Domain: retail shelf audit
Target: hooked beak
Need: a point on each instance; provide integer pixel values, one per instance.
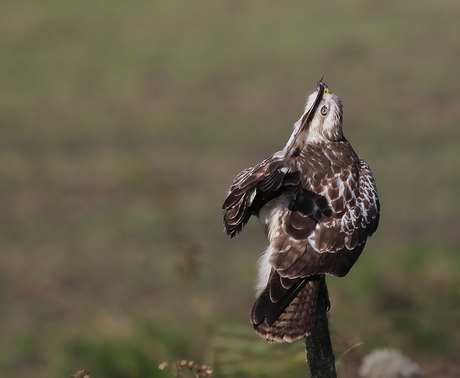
(306, 118)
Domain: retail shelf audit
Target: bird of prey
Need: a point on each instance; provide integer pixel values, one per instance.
(318, 202)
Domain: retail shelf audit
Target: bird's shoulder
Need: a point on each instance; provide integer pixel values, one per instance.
(321, 163)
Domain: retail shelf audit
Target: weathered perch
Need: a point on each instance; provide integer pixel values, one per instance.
(320, 356)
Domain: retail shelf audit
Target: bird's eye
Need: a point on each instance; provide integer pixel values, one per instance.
(324, 110)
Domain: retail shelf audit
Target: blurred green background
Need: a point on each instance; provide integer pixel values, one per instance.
(124, 123)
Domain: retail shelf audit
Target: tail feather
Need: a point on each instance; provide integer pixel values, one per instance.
(292, 316)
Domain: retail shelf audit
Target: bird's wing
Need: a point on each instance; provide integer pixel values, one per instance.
(314, 238)
(323, 230)
(253, 188)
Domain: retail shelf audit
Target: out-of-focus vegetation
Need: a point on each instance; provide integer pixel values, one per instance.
(122, 125)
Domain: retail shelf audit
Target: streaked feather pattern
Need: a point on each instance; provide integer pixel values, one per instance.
(319, 204)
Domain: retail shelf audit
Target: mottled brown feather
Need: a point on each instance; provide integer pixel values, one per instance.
(329, 209)
(290, 319)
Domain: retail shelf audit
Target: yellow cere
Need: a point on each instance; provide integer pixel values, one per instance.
(327, 91)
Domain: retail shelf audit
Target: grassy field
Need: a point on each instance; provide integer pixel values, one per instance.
(124, 123)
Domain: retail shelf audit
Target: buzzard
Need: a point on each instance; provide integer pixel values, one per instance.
(318, 202)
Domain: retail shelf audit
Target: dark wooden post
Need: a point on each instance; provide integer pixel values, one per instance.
(320, 356)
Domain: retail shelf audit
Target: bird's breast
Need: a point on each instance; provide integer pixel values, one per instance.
(270, 214)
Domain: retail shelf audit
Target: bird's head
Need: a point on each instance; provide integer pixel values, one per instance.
(322, 119)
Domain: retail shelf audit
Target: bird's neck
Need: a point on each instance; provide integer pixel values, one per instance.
(299, 138)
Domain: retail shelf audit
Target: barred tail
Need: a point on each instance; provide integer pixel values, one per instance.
(291, 316)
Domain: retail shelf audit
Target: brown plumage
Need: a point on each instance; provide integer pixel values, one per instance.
(319, 204)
